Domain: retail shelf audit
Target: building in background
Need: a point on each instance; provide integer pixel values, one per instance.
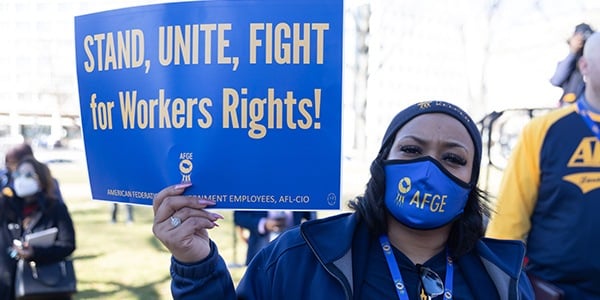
(38, 85)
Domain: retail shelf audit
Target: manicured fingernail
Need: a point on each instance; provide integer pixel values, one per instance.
(217, 216)
(205, 201)
(183, 185)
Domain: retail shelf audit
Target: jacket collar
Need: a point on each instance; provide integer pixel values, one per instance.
(330, 238)
(506, 254)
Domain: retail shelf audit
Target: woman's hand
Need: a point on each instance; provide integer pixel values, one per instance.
(181, 223)
(22, 250)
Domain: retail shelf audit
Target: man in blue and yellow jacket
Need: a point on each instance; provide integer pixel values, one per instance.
(550, 192)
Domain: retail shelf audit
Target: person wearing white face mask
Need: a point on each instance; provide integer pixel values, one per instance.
(11, 160)
(26, 185)
(31, 206)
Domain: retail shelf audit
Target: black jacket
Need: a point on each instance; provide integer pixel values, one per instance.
(50, 213)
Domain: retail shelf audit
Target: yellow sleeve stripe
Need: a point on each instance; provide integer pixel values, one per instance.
(518, 191)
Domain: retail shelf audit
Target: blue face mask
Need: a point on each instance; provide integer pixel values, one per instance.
(421, 194)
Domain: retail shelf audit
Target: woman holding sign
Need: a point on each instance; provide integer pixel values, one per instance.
(416, 233)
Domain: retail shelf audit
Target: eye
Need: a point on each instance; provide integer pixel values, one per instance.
(454, 159)
(25, 174)
(411, 149)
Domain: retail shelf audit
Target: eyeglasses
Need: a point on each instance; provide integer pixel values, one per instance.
(431, 282)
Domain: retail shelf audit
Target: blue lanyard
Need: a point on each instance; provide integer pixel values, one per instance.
(397, 277)
(584, 111)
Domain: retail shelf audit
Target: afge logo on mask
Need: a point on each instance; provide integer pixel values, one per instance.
(433, 202)
(419, 194)
(404, 186)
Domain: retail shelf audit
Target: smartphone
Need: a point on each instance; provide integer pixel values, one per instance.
(18, 244)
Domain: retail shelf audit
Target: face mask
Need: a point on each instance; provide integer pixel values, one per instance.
(421, 194)
(25, 186)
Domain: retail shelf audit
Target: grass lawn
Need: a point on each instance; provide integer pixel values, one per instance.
(126, 261)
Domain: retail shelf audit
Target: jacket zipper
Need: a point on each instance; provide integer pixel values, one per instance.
(340, 280)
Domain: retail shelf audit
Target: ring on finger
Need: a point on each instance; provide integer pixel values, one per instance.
(175, 221)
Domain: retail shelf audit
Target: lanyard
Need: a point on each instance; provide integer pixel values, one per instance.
(583, 110)
(397, 277)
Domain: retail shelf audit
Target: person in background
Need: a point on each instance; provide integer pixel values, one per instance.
(29, 206)
(115, 211)
(567, 75)
(265, 226)
(12, 158)
(415, 233)
(550, 191)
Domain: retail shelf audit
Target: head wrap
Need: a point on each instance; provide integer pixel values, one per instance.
(430, 107)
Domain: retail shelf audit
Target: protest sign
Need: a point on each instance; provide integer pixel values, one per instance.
(241, 98)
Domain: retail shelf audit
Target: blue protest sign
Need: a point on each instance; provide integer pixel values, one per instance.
(241, 98)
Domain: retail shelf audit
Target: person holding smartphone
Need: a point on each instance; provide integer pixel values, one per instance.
(567, 74)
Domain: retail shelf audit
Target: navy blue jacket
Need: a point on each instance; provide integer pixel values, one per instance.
(314, 261)
(257, 240)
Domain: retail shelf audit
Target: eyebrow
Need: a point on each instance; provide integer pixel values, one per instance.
(447, 144)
